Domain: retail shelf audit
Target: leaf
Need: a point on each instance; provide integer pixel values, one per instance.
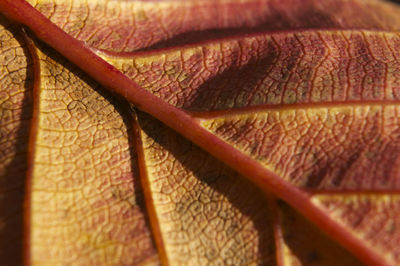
(298, 97)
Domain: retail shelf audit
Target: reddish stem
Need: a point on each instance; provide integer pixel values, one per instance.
(182, 122)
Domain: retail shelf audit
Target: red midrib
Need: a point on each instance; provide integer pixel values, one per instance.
(182, 122)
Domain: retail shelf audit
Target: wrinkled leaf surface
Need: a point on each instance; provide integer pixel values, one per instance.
(308, 90)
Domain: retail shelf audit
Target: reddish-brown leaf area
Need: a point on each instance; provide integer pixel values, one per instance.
(125, 26)
(298, 97)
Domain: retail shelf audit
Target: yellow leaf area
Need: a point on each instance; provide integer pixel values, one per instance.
(15, 113)
(86, 205)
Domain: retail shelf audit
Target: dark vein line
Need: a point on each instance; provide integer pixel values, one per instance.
(27, 234)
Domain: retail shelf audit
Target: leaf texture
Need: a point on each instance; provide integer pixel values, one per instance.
(84, 164)
(306, 91)
(16, 74)
(201, 206)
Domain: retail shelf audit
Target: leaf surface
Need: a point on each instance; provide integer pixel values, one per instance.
(308, 113)
(16, 73)
(84, 164)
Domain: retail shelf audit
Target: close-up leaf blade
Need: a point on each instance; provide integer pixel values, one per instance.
(199, 132)
(16, 111)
